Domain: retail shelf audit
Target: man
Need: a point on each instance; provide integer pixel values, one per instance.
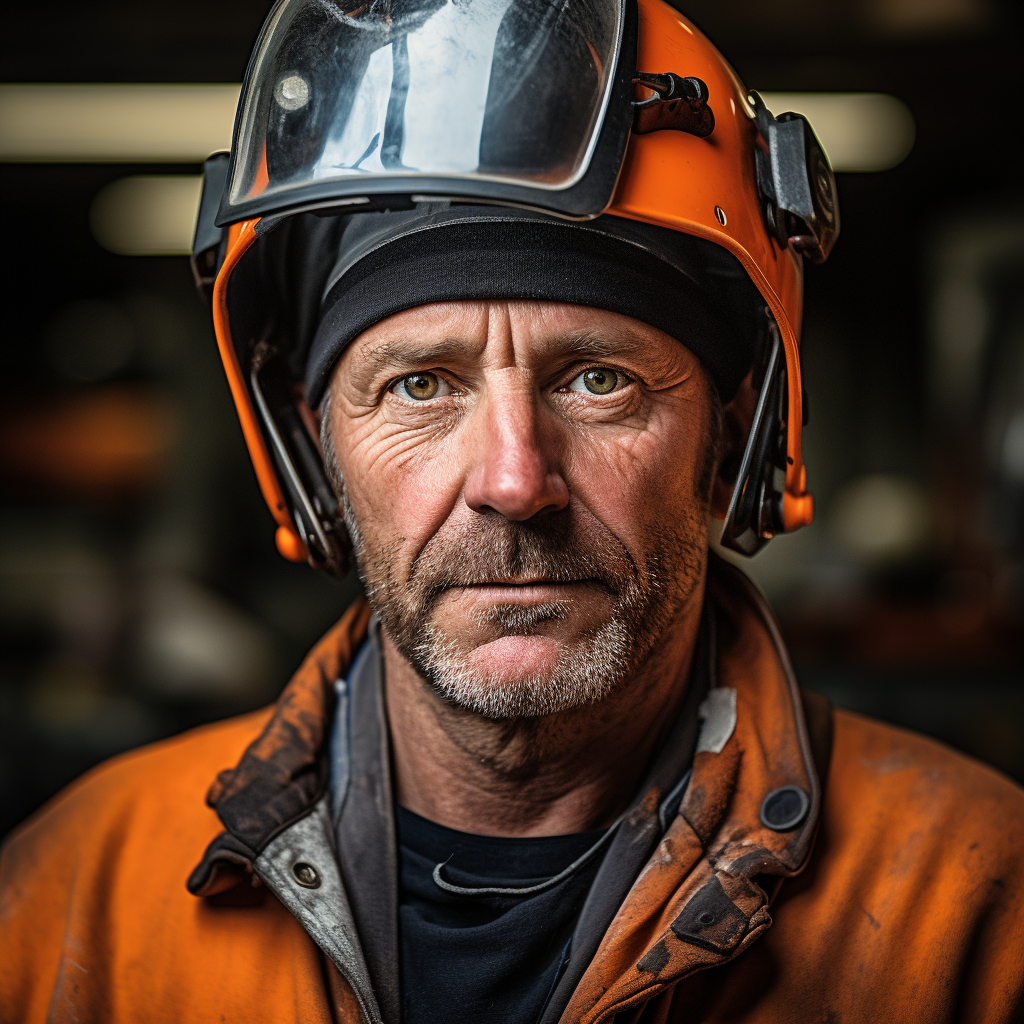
(557, 768)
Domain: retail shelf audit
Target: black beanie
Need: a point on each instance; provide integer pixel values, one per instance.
(386, 262)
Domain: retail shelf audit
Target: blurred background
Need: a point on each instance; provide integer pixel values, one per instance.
(140, 591)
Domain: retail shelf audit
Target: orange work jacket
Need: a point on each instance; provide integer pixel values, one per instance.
(898, 898)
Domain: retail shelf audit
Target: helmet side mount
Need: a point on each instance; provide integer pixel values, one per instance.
(801, 211)
(756, 507)
(675, 104)
(311, 498)
(209, 242)
(796, 183)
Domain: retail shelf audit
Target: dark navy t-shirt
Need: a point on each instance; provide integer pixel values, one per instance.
(494, 958)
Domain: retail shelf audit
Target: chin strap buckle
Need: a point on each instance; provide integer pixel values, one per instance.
(675, 104)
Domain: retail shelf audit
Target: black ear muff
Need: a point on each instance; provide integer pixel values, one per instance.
(755, 509)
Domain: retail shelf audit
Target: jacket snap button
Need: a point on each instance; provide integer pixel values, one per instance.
(783, 809)
(706, 918)
(306, 875)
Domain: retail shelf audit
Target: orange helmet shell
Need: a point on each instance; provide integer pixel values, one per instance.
(708, 188)
(705, 187)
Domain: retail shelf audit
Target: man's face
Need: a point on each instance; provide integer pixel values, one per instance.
(527, 487)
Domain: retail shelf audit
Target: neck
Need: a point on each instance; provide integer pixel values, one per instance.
(553, 775)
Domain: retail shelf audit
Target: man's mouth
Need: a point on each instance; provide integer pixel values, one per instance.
(525, 590)
(521, 584)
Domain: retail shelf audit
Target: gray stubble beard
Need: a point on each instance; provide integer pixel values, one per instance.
(594, 666)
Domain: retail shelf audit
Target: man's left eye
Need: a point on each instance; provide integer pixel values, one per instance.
(600, 380)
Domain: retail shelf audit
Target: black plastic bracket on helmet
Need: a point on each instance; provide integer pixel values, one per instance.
(311, 498)
(209, 242)
(675, 104)
(796, 184)
(755, 509)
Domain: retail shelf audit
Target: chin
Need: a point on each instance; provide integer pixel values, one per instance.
(532, 676)
(517, 658)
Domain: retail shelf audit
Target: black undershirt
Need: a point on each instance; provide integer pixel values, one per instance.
(484, 957)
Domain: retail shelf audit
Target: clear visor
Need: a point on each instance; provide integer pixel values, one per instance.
(343, 96)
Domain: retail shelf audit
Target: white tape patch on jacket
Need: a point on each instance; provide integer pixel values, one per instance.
(718, 711)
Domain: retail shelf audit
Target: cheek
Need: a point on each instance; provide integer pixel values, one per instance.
(643, 480)
(402, 481)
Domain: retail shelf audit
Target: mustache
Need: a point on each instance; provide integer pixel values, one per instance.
(520, 620)
(565, 548)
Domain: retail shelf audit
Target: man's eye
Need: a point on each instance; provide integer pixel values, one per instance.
(599, 381)
(421, 387)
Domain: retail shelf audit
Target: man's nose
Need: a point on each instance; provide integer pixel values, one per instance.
(516, 468)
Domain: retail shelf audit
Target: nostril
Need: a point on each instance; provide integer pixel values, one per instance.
(517, 493)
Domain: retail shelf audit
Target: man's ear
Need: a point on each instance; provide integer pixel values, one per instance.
(736, 419)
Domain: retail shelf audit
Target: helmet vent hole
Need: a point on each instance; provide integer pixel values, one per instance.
(720, 216)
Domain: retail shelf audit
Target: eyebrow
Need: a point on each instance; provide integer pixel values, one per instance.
(594, 343)
(390, 351)
(393, 352)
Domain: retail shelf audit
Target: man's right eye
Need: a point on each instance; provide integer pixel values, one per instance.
(421, 387)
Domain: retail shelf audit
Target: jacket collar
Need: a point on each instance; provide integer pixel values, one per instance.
(700, 899)
(284, 771)
(695, 904)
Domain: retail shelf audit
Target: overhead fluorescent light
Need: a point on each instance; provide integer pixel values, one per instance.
(115, 123)
(860, 131)
(185, 123)
(147, 214)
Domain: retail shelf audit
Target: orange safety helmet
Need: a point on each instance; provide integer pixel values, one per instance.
(600, 107)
